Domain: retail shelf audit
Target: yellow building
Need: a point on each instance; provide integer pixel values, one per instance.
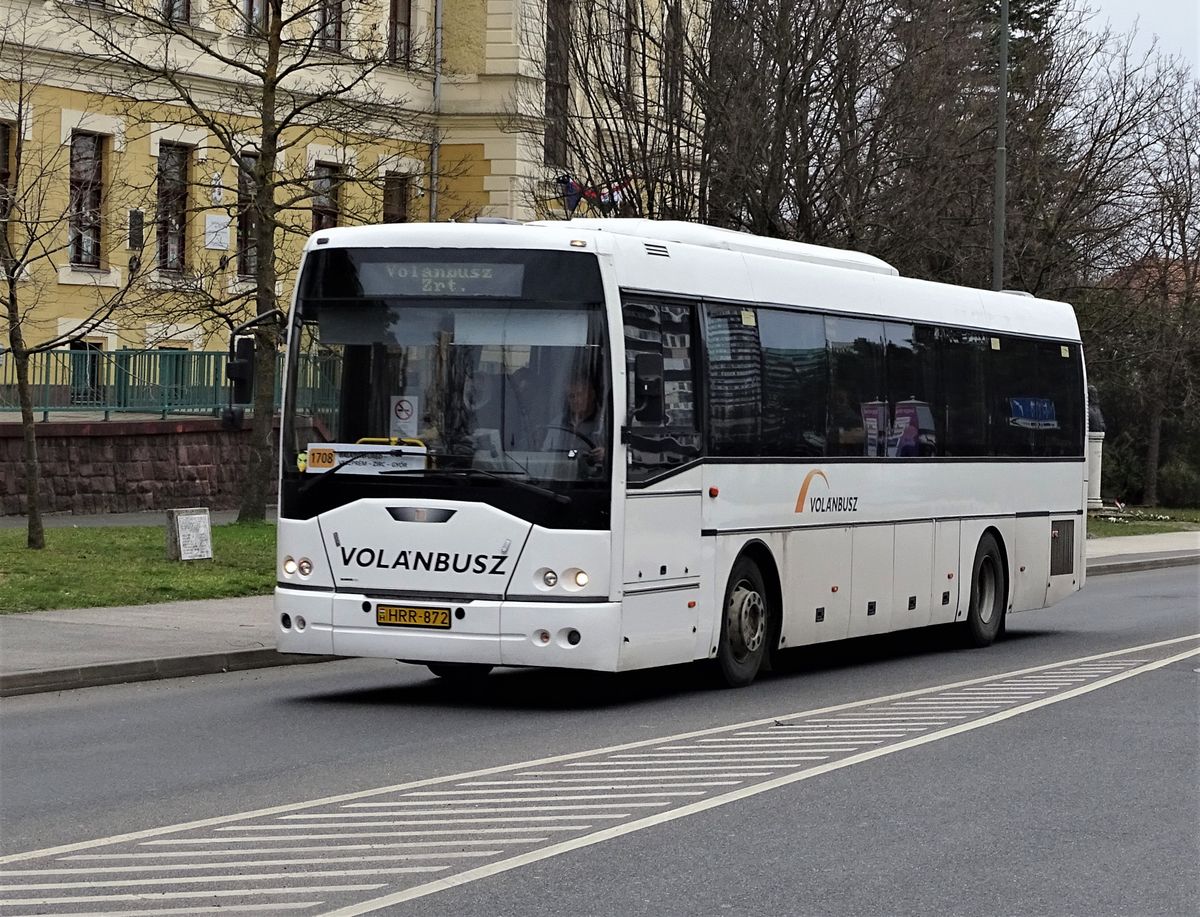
(131, 130)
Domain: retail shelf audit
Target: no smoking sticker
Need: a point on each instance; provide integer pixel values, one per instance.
(406, 413)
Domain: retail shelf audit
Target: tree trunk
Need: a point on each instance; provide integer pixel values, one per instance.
(35, 536)
(1153, 440)
(260, 477)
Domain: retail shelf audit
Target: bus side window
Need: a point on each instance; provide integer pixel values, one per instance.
(961, 408)
(663, 331)
(858, 408)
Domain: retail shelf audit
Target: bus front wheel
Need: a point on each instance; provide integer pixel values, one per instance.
(989, 593)
(745, 624)
(459, 671)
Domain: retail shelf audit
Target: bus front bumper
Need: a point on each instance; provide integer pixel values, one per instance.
(570, 635)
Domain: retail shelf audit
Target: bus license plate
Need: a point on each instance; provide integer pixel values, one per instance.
(403, 616)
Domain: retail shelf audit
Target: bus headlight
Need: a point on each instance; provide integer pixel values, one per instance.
(581, 578)
(289, 566)
(304, 565)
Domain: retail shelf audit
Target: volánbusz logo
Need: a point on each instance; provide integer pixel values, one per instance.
(433, 561)
(823, 503)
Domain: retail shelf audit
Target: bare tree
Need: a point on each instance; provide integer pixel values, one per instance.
(1145, 324)
(280, 80)
(56, 211)
(618, 115)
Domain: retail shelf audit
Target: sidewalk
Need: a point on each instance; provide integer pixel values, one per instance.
(76, 648)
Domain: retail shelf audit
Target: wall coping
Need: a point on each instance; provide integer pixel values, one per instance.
(103, 428)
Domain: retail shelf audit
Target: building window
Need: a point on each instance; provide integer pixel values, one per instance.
(396, 186)
(400, 32)
(558, 71)
(87, 154)
(6, 157)
(247, 216)
(255, 14)
(177, 10)
(329, 25)
(172, 205)
(325, 196)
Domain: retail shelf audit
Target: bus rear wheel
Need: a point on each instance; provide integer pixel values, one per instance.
(745, 624)
(989, 593)
(459, 671)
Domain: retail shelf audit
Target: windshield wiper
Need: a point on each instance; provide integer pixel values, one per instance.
(317, 478)
(467, 472)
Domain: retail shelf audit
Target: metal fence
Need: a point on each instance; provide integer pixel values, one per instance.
(162, 382)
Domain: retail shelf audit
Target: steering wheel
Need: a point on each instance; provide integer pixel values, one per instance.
(554, 426)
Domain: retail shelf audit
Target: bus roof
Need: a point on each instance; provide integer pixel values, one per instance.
(671, 257)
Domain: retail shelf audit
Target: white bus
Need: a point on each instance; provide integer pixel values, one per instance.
(615, 444)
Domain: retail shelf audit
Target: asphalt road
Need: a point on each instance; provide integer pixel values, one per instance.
(1015, 801)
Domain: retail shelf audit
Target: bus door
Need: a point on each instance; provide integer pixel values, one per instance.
(661, 605)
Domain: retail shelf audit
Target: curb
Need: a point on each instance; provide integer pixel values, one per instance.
(91, 676)
(1133, 566)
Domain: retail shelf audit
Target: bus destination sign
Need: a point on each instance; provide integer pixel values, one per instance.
(455, 278)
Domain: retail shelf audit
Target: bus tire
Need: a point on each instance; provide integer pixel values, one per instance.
(989, 593)
(745, 623)
(460, 671)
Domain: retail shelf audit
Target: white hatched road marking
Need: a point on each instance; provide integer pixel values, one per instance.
(163, 896)
(215, 909)
(675, 776)
(240, 864)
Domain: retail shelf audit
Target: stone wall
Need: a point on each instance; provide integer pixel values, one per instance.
(126, 466)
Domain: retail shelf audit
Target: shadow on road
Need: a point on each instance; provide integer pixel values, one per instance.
(561, 689)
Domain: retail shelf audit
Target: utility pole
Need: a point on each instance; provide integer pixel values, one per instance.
(998, 206)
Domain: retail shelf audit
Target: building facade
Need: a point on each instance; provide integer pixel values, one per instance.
(132, 134)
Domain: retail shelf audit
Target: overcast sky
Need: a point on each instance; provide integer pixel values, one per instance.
(1175, 22)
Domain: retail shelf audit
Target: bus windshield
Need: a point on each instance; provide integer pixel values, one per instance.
(432, 361)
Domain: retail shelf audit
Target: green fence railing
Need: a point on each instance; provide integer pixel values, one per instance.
(163, 382)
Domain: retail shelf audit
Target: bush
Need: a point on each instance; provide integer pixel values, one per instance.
(1178, 484)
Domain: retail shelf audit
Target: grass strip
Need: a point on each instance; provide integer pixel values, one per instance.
(96, 567)
(1138, 520)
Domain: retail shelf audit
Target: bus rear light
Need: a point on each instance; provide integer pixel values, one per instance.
(289, 566)
(542, 636)
(581, 578)
(550, 578)
(300, 623)
(305, 566)
(285, 621)
(573, 637)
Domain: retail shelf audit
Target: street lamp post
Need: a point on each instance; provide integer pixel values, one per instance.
(1001, 133)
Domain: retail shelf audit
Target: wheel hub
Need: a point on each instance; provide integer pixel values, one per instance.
(745, 619)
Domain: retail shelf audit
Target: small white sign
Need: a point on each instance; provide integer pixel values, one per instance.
(405, 416)
(216, 231)
(195, 536)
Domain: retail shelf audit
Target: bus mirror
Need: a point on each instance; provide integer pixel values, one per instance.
(648, 389)
(240, 370)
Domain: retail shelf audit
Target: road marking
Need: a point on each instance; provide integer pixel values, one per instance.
(756, 754)
(223, 893)
(241, 864)
(215, 909)
(242, 851)
(533, 856)
(571, 756)
(235, 877)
